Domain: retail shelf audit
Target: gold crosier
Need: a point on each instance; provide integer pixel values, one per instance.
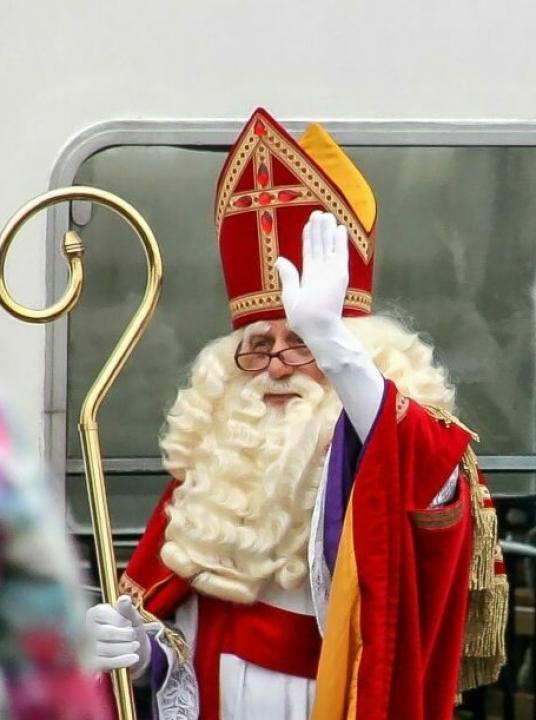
(89, 436)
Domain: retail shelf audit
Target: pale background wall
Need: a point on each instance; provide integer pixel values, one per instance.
(67, 65)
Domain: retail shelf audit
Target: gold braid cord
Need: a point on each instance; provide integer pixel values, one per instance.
(174, 638)
(484, 650)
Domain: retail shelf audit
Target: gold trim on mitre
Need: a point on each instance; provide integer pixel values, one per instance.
(259, 302)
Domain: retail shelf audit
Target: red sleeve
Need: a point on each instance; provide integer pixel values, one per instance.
(430, 449)
(146, 578)
(412, 564)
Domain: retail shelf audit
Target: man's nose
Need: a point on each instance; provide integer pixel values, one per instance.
(278, 370)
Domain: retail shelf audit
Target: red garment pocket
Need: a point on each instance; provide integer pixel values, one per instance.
(441, 518)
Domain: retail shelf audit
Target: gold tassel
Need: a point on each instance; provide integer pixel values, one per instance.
(484, 543)
(484, 641)
(488, 611)
(484, 649)
(479, 671)
(485, 528)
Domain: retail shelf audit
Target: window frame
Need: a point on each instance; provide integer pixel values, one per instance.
(221, 133)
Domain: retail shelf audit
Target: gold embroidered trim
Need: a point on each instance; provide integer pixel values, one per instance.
(237, 163)
(449, 419)
(437, 519)
(127, 586)
(326, 194)
(358, 299)
(271, 273)
(258, 302)
(266, 224)
(294, 160)
(175, 638)
(305, 198)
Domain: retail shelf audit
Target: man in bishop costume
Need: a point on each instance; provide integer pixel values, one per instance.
(326, 548)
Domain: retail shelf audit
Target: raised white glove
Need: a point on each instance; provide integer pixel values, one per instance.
(313, 307)
(119, 636)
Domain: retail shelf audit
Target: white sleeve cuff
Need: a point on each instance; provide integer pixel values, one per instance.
(350, 369)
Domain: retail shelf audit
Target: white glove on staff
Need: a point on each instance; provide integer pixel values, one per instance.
(313, 306)
(120, 638)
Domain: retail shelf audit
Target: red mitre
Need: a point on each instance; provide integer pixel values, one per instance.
(268, 187)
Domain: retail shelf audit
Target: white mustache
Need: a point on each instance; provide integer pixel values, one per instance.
(283, 389)
(297, 384)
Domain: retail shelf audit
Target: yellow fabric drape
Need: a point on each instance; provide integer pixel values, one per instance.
(336, 687)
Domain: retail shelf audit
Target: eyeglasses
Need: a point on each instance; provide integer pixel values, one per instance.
(255, 361)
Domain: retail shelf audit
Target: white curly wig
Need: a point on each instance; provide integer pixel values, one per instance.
(241, 516)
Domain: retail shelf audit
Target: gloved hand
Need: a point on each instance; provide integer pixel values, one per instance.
(314, 306)
(120, 638)
(314, 311)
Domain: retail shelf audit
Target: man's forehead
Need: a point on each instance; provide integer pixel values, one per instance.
(267, 327)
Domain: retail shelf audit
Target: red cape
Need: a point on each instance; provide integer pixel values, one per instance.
(412, 565)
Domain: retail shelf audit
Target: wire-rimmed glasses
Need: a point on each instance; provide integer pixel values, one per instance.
(256, 361)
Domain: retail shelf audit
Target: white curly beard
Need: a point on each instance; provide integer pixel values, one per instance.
(241, 518)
